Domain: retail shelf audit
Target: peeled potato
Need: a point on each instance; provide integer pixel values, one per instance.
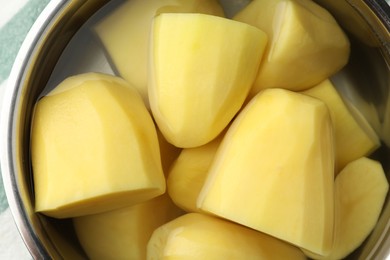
(198, 236)
(353, 138)
(188, 173)
(273, 171)
(306, 45)
(201, 69)
(360, 192)
(94, 148)
(124, 233)
(125, 34)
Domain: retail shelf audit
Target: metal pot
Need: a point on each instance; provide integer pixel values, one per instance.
(56, 48)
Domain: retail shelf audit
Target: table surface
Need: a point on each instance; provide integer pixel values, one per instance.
(16, 18)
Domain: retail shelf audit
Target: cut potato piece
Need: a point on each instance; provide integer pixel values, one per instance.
(202, 68)
(300, 52)
(188, 173)
(274, 170)
(353, 138)
(198, 236)
(94, 148)
(124, 233)
(125, 34)
(360, 191)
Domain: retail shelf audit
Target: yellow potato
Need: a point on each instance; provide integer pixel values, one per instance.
(94, 148)
(188, 173)
(306, 45)
(124, 233)
(125, 34)
(201, 70)
(360, 192)
(198, 236)
(273, 171)
(353, 138)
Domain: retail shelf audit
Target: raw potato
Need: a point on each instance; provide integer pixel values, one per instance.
(188, 173)
(124, 233)
(202, 68)
(360, 192)
(353, 139)
(274, 170)
(198, 236)
(306, 45)
(94, 148)
(125, 34)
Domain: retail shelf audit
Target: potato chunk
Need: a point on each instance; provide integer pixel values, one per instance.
(198, 236)
(360, 191)
(353, 138)
(306, 45)
(124, 233)
(125, 34)
(201, 70)
(94, 148)
(273, 171)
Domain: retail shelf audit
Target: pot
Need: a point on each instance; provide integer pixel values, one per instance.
(61, 44)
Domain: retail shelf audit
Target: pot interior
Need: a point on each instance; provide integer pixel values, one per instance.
(68, 47)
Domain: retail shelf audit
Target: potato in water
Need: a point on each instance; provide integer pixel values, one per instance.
(198, 236)
(274, 170)
(306, 45)
(94, 148)
(201, 70)
(360, 192)
(353, 138)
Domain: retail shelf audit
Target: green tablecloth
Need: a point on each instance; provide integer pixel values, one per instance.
(16, 18)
